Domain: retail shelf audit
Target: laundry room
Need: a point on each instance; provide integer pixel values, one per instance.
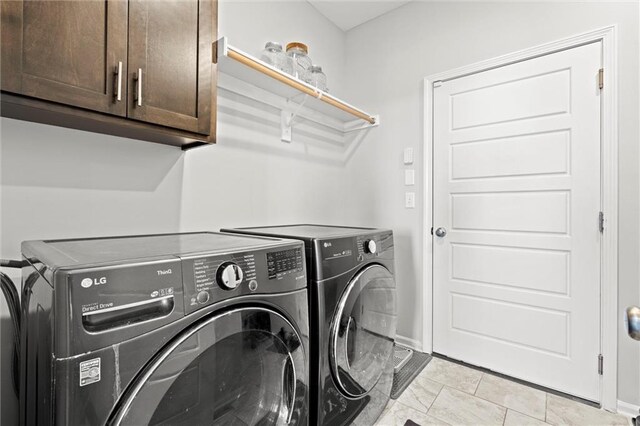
(320, 212)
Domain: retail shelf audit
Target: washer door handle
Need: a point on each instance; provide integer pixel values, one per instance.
(346, 338)
(289, 386)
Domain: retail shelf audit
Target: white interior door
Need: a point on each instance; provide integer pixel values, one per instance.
(516, 178)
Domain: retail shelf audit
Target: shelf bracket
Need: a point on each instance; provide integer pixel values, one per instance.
(286, 119)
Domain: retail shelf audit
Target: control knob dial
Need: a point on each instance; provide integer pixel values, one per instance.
(370, 246)
(229, 275)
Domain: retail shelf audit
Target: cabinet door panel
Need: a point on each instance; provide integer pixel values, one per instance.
(66, 51)
(170, 43)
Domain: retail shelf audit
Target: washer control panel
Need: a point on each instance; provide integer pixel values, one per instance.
(211, 279)
(280, 263)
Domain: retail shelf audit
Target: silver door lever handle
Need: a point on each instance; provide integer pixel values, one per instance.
(633, 322)
(441, 232)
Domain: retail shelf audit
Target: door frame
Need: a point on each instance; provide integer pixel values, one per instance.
(609, 195)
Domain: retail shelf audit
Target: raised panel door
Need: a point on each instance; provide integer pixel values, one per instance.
(517, 186)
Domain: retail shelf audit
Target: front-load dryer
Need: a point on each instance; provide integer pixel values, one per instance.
(179, 329)
(352, 296)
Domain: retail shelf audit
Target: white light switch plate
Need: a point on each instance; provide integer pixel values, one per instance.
(409, 177)
(408, 156)
(410, 200)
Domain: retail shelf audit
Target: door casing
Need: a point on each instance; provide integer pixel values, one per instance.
(609, 196)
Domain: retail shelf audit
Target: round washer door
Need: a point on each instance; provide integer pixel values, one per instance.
(363, 331)
(244, 366)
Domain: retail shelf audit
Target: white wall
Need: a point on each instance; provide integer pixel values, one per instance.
(250, 177)
(423, 38)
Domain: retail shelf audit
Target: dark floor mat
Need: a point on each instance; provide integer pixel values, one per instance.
(403, 378)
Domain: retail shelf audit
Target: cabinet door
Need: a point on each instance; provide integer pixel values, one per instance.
(66, 52)
(170, 63)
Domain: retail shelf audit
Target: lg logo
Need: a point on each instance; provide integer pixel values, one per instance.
(88, 282)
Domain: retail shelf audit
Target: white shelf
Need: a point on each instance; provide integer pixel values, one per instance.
(298, 98)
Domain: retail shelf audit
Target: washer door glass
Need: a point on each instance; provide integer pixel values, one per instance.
(363, 330)
(242, 367)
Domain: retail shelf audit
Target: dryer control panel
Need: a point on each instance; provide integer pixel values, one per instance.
(337, 255)
(211, 279)
(371, 246)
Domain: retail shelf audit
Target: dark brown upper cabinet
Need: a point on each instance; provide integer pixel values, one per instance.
(65, 51)
(170, 63)
(138, 68)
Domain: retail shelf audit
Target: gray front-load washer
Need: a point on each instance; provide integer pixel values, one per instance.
(179, 329)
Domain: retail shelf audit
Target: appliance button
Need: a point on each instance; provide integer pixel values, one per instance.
(360, 258)
(370, 246)
(229, 275)
(203, 297)
(253, 285)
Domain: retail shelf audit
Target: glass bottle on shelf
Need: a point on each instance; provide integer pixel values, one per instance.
(317, 78)
(274, 56)
(298, 52)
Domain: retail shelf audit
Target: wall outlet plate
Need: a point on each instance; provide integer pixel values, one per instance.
(410, 200)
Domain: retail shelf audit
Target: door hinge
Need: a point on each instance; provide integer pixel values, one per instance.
(600, 364)
(437, 83)
(214, 52)
(601, 78)
(601, 221)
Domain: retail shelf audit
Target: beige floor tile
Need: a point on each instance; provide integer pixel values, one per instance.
(399, 413)
(459, 408)
(563, 411)
(507, 393)
(518, 419)
(452, 375)
(420, 394)
(387, 408)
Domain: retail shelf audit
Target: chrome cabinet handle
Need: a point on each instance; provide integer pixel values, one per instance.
(117, 82)
(441, 232)
(138, 94)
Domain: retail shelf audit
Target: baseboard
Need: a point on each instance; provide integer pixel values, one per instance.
(414, 344)
(628, 409)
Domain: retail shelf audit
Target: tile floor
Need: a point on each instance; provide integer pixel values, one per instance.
(445, 393)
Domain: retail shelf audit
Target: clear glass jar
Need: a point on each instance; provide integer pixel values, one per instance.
(298, 52)
(318, 78)
(273, 55)
(270, 52)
